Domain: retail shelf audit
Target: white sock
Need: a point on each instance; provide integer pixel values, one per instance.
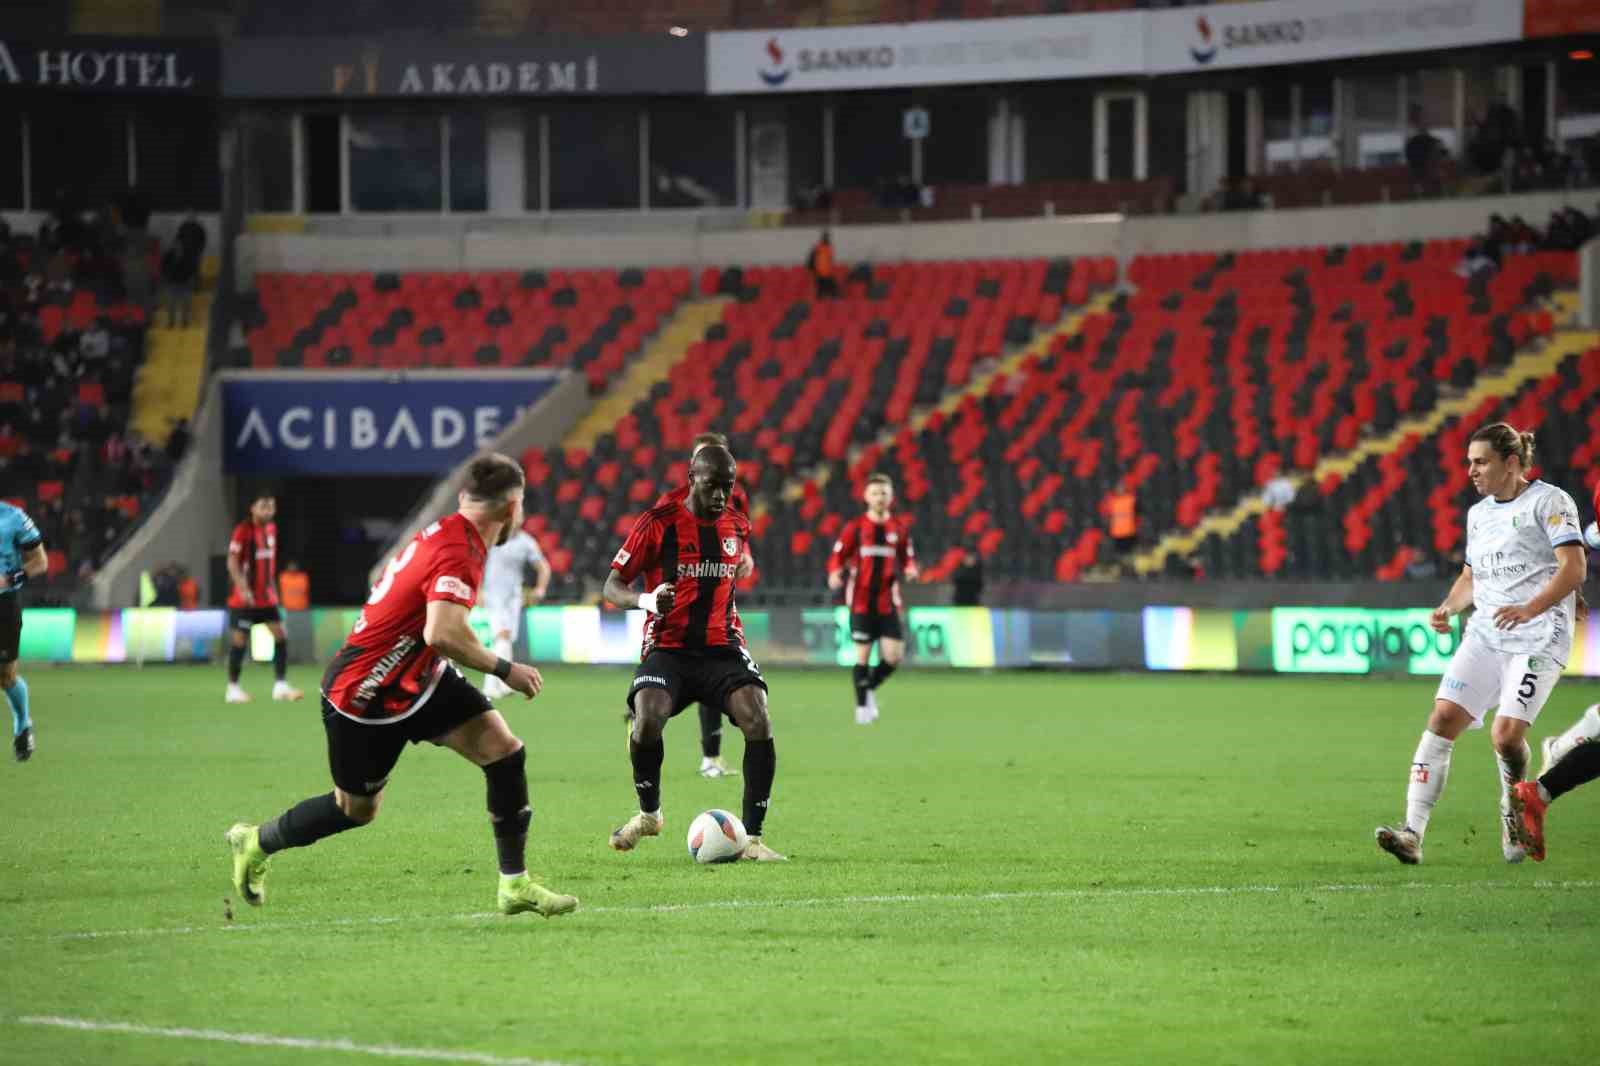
(1430, 766)
(502, 647)
(1511, 771)
(1585, 729)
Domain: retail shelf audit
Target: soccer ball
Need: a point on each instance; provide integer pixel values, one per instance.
(716, 836)
(1591, 535)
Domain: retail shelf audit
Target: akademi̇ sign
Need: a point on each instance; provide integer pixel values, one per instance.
(1294, 31)
(925, 53)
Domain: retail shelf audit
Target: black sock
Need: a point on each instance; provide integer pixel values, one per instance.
(235, 661)
(710, 731)
(305, 823)
(507, 783)
(647, 772)
(280, 658)
(862, 678)
(760, 765)
(1578, 766)
(880, 673)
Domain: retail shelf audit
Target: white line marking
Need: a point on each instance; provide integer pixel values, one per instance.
(1114, 892)
(299, 1043)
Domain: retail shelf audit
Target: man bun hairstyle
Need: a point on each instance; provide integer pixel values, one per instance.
(1506, 441)
(491, 476)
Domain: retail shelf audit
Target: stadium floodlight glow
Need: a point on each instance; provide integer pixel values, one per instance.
(1581, 53)
(679, 31)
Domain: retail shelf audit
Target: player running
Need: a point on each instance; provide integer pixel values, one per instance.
(1525, 561)
(392, 683)
(711, 764)
(694, 649)
(253, 600)
(21, 557)
(874, 550)
(504, 596)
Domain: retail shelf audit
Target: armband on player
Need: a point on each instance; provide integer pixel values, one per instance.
(17, 578)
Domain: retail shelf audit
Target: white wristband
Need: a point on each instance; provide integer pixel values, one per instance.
(647, 602)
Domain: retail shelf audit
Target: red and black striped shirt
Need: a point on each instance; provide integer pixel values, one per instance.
(699, 557)
(256, 549)
(876, 554)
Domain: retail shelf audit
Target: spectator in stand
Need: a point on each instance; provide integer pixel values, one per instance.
(824, 268)
(191, 237)
(968, 578)
(178, 272)
(294, 588)
(1424, 152)
(1122, 518)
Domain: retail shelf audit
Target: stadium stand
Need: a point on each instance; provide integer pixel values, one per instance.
(592, 321)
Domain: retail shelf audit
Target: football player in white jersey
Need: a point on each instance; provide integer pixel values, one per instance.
(504, 575)
(1524, 563)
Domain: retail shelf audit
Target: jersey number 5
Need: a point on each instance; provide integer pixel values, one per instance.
(381, 589)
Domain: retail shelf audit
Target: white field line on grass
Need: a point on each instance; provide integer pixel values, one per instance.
(298, 1043)
(266, 925)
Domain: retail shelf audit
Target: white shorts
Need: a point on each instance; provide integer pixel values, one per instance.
(1513, 684)
(505, 614)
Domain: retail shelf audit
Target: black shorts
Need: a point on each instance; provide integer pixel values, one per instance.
(868, 626)
(361, 754)
(697, 676)
(245, 617)
(10, 627)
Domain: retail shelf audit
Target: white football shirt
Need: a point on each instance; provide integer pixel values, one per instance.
(1511, 549)
(507, 564)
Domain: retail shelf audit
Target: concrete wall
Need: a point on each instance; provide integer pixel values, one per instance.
(189, 523)
(706, 239)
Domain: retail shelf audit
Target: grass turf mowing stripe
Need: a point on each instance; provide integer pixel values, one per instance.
(831, 901)
(298, 1043)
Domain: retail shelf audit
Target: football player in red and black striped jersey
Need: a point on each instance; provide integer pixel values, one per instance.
(874, 550)
(711, 764)
(688, 554)
(253, 598)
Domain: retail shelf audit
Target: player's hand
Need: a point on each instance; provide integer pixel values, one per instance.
(745, 568)
(247, 596)
(913, 574)
(665, 593)
(1441, 619)
(524, 679)
(836, 580)
(1583, 606)
(1513, 616)
(5, 581)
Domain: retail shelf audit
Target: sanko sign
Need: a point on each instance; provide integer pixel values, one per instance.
(109, 65)
(496, 67)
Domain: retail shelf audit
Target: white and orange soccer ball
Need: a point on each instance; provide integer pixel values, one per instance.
(716, 836)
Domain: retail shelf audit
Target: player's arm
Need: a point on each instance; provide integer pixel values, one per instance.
(447, 632)
(908, 559)
(34, 563)
(1572, 568)
(236, 572)
(844, 549)
(541, 579)
(637, 552)
(1458, 600)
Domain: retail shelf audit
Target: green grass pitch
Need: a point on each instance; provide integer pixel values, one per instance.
(1007, 868)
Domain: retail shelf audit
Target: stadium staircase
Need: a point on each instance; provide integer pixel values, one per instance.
(670, 347)
(168, 385)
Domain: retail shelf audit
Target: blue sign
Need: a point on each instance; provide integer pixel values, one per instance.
(378, 425)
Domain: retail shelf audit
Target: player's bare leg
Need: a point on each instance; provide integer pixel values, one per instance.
(237, 640)
(651, 709)
(281, 689)
(890, 654)
(748, 708)
(488, 743)
(1511, 754)
(1430, 768)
